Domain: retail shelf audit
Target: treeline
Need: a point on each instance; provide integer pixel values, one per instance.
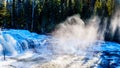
(43, 15)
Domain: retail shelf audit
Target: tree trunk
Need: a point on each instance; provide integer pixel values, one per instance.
(13, 14)
(33, 8)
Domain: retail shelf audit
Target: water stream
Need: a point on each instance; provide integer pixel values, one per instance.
(73, 44)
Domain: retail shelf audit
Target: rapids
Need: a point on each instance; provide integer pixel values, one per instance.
(36, 51)
(73, 44)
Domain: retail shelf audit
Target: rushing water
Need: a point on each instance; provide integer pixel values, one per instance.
(72, 41)
(13, 42)
(16, 42)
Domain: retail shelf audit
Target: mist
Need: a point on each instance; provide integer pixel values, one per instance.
(75, 36)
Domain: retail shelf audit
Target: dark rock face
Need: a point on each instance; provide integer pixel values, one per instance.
(117, 35)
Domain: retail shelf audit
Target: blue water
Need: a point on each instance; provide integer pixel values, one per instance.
(14, 42)
(18, 41)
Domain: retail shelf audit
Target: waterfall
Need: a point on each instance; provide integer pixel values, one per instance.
(75, 34)
(71, 38)
(14, 42)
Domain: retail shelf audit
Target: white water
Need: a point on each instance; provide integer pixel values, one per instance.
(71, 44)
(115, 24)
(15, 42)
(74, 36)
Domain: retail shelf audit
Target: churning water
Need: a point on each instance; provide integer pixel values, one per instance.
(71, 42)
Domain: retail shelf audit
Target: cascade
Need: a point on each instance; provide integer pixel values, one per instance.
(14, 42)
(72, 37)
